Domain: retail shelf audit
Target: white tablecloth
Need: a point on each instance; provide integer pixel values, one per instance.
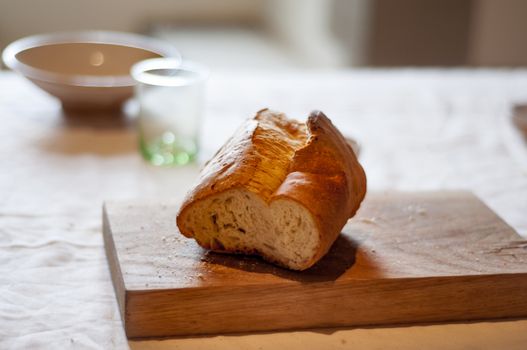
(419, 130)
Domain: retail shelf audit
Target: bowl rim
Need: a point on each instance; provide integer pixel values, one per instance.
(90, 36)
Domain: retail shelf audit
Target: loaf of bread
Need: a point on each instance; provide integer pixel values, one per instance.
(278, 188)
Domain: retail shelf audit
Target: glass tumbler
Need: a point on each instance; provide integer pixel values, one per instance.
(171, 104)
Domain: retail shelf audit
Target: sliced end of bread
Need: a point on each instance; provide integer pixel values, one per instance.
(237, 220)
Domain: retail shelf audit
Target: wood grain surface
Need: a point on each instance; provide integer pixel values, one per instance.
(405, 258)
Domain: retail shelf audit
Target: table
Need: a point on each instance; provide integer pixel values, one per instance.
(419, 130)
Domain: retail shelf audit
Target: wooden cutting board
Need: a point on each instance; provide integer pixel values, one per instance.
(405, 258)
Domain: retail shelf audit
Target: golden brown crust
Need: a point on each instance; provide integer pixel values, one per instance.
(275, 158)
(256, 157)
(325, 177)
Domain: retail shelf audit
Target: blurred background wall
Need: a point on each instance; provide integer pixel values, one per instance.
(298, 33)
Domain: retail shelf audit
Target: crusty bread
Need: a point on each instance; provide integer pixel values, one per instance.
(278, 188)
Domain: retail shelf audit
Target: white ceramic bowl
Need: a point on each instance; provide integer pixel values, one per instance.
(87, 70)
